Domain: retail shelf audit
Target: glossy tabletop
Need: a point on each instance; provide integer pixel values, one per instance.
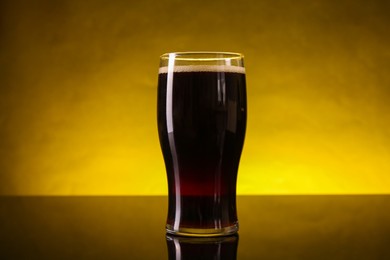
(271, 227)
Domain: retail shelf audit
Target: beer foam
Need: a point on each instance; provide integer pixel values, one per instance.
(203, 68)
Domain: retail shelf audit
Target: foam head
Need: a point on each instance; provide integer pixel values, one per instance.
(203, 68)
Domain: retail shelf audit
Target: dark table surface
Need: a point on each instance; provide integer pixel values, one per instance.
(271, 227)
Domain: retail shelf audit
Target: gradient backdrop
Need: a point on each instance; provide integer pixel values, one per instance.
(78, 93)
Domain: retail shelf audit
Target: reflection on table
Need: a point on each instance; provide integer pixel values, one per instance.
(187, 248)
(271, 227)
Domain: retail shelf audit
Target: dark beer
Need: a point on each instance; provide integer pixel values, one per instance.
(201, 123)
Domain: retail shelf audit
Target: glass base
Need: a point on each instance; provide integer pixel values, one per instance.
(203, 232)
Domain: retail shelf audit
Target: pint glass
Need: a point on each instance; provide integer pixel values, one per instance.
(201, 123)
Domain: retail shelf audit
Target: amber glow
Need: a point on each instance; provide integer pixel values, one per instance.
(78, 93)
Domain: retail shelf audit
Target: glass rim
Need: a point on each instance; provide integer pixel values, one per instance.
(202, 55)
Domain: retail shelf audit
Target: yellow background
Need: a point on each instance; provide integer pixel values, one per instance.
(78, 93)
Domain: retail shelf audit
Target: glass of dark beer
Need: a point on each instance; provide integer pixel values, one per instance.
(201, 122)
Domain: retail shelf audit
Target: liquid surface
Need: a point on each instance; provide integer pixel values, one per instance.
(203, 68)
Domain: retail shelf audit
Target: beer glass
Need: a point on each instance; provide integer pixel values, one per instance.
(201, 123)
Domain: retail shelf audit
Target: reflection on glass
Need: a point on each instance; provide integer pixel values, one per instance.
(186, 248)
